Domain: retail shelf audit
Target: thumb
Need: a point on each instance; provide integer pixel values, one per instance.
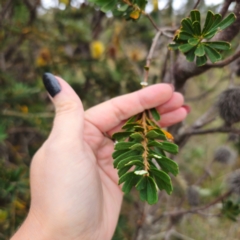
(68, 122)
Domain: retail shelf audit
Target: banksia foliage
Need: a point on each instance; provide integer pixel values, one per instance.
(228, 105)
(193, 41)
(140, 156)
(234, 181)
(225, 155)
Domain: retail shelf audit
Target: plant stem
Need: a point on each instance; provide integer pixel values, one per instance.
(144, 143)
(150, 56)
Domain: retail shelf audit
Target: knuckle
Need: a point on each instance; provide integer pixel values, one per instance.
(66, 107)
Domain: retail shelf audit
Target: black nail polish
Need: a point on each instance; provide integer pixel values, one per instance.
(51, 84)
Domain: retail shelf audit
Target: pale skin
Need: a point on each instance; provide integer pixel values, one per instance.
(74, 187)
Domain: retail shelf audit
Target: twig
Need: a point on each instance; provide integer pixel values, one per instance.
(226, 61)
(205, 174)
(152, 21)
(198, 209)
(150, 56)
(204, 94)
(5, 9)
(197, 3)
(213, 130)
(225, 7)
(24, 129)
(140, 222)
(165, 63)
(26, 115)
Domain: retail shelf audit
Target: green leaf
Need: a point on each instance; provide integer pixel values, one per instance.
(137, 136)
(184, 35)
(195, 16)
(130, 125)
(216, 21)
(221, 45)
(186, 26)
(122, 8)
(166, 146)
(169, 147)
(130, 183)
(155, 114)
(121, 135)
(213, 29)
(137, 147)
(132, 119)
(197, 28)
(185, 47)
(210, 34)
(118, 153)
(109, 6)
(226, 22)
(142, 184)
(143, 194)
(126, 177)
(152, 196)
(141, 3)
(124, 162)
(213, 54)
(200, 50)
(190, 55)
(121, 163)
(208, 22)
(128, 154)
(201, 61)
(123, 170)
(174, 46)
(193, 41)
(162, 179)
(139, 129)
(135, 163)
(154, 134)
(123, 145)
(168, 165)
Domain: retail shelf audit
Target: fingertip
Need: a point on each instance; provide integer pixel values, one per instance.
(173, 117)
(51, 84)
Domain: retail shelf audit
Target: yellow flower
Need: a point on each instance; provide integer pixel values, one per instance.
(97, 49)
(135, 14)
(24, 109)
(168, 135)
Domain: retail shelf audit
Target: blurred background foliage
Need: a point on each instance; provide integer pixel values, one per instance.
(102, 57)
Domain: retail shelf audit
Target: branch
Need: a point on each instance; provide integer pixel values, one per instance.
(217, 200)
(152, 21)
(225, 7)
(197, 3)
(150, 56)
(226, 61)
(212, 130)
(194, 210)
(26, 115)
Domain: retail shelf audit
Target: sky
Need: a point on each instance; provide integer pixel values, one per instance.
(162, 3)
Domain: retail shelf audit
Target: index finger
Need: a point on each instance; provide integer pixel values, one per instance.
(109, 114)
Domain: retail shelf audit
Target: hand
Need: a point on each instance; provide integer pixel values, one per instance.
(74, 187)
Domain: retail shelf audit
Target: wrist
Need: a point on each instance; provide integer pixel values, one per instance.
(30, 229)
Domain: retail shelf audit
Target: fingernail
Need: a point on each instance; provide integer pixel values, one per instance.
(187, 108)
(51, 84)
